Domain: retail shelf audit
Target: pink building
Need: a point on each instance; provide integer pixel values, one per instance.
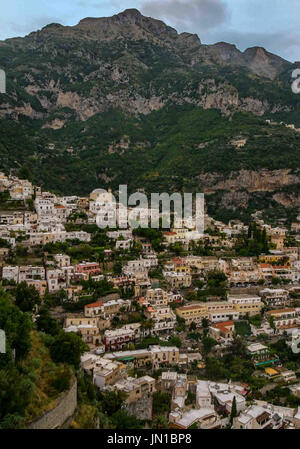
(88, 268)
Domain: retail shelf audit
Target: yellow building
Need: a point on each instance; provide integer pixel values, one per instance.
(193, 313)
(246, 304)
(272, 373)
(278, 240)
(181, 266)
(275, 259)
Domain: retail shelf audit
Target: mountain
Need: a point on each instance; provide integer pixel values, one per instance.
(126, 99)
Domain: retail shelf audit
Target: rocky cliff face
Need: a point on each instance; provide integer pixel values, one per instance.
(89, 85)
(252, 181)
(135, 63)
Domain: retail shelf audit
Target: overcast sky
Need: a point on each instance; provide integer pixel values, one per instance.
(273, 24)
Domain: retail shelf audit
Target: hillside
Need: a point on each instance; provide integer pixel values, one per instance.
(126, 99)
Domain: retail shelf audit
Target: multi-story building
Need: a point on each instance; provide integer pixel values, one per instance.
(39, 285)
(258, 417)
(10, 273)
(223, 395)
(285, 320)
(87, 327)
(88, 269)
(154, 356)
(12, 218)
(135, 388)
(123, 245)
(192, 313)
(106, 309)
(164, 318)
(260, 355)
(178, 280)
(62, 260)
(56, 280)
(221, 311)
(268, 271)
(274, 297)
(222, 331)
(125, 233)
(181, 265)
(241, 271)
(31, 273)
(203, 263)
(119, 338)
(107, 372)
(246, 304)
(137, 268)
(158, 296)
(44, 207)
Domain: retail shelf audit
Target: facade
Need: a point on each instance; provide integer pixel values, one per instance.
(107, 372)
(274, 297)
(284, 319)
(155, 356)
(178, 280)
(193, 313)
(260, 355)
(88, 268)
(119, 338)
(246, 304)
(222, 331)
(258, 417)
(163, 317)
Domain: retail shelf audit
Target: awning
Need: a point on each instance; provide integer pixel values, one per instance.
(126, 359)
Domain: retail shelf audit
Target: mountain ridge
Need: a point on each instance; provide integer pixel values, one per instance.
(110, 94)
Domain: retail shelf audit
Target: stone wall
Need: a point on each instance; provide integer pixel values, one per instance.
(64, 409)
(142, 408)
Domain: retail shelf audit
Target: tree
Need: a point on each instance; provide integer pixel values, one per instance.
(233, 413)
(14, 397)
(112, 401)
(208, 344)
(174, 340)
(272, 322)
(238, 346)
(193, 326)
(15, 389)
(159, 422)
(27, 297)
(117, 268)
(67, 347)
(205, 323)
(46, 323)
(122, 420)
(161, 402)
(192, 296)
(16, 325)
(216, 278)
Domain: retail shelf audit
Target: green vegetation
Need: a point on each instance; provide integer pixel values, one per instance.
(30, 382)
(182, 142)
(254, 243)
(161, 403)
(242, 328)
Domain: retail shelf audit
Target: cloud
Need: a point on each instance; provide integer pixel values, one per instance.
(285, 44)
(188, 15)
(233, 22)
(33, 25)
